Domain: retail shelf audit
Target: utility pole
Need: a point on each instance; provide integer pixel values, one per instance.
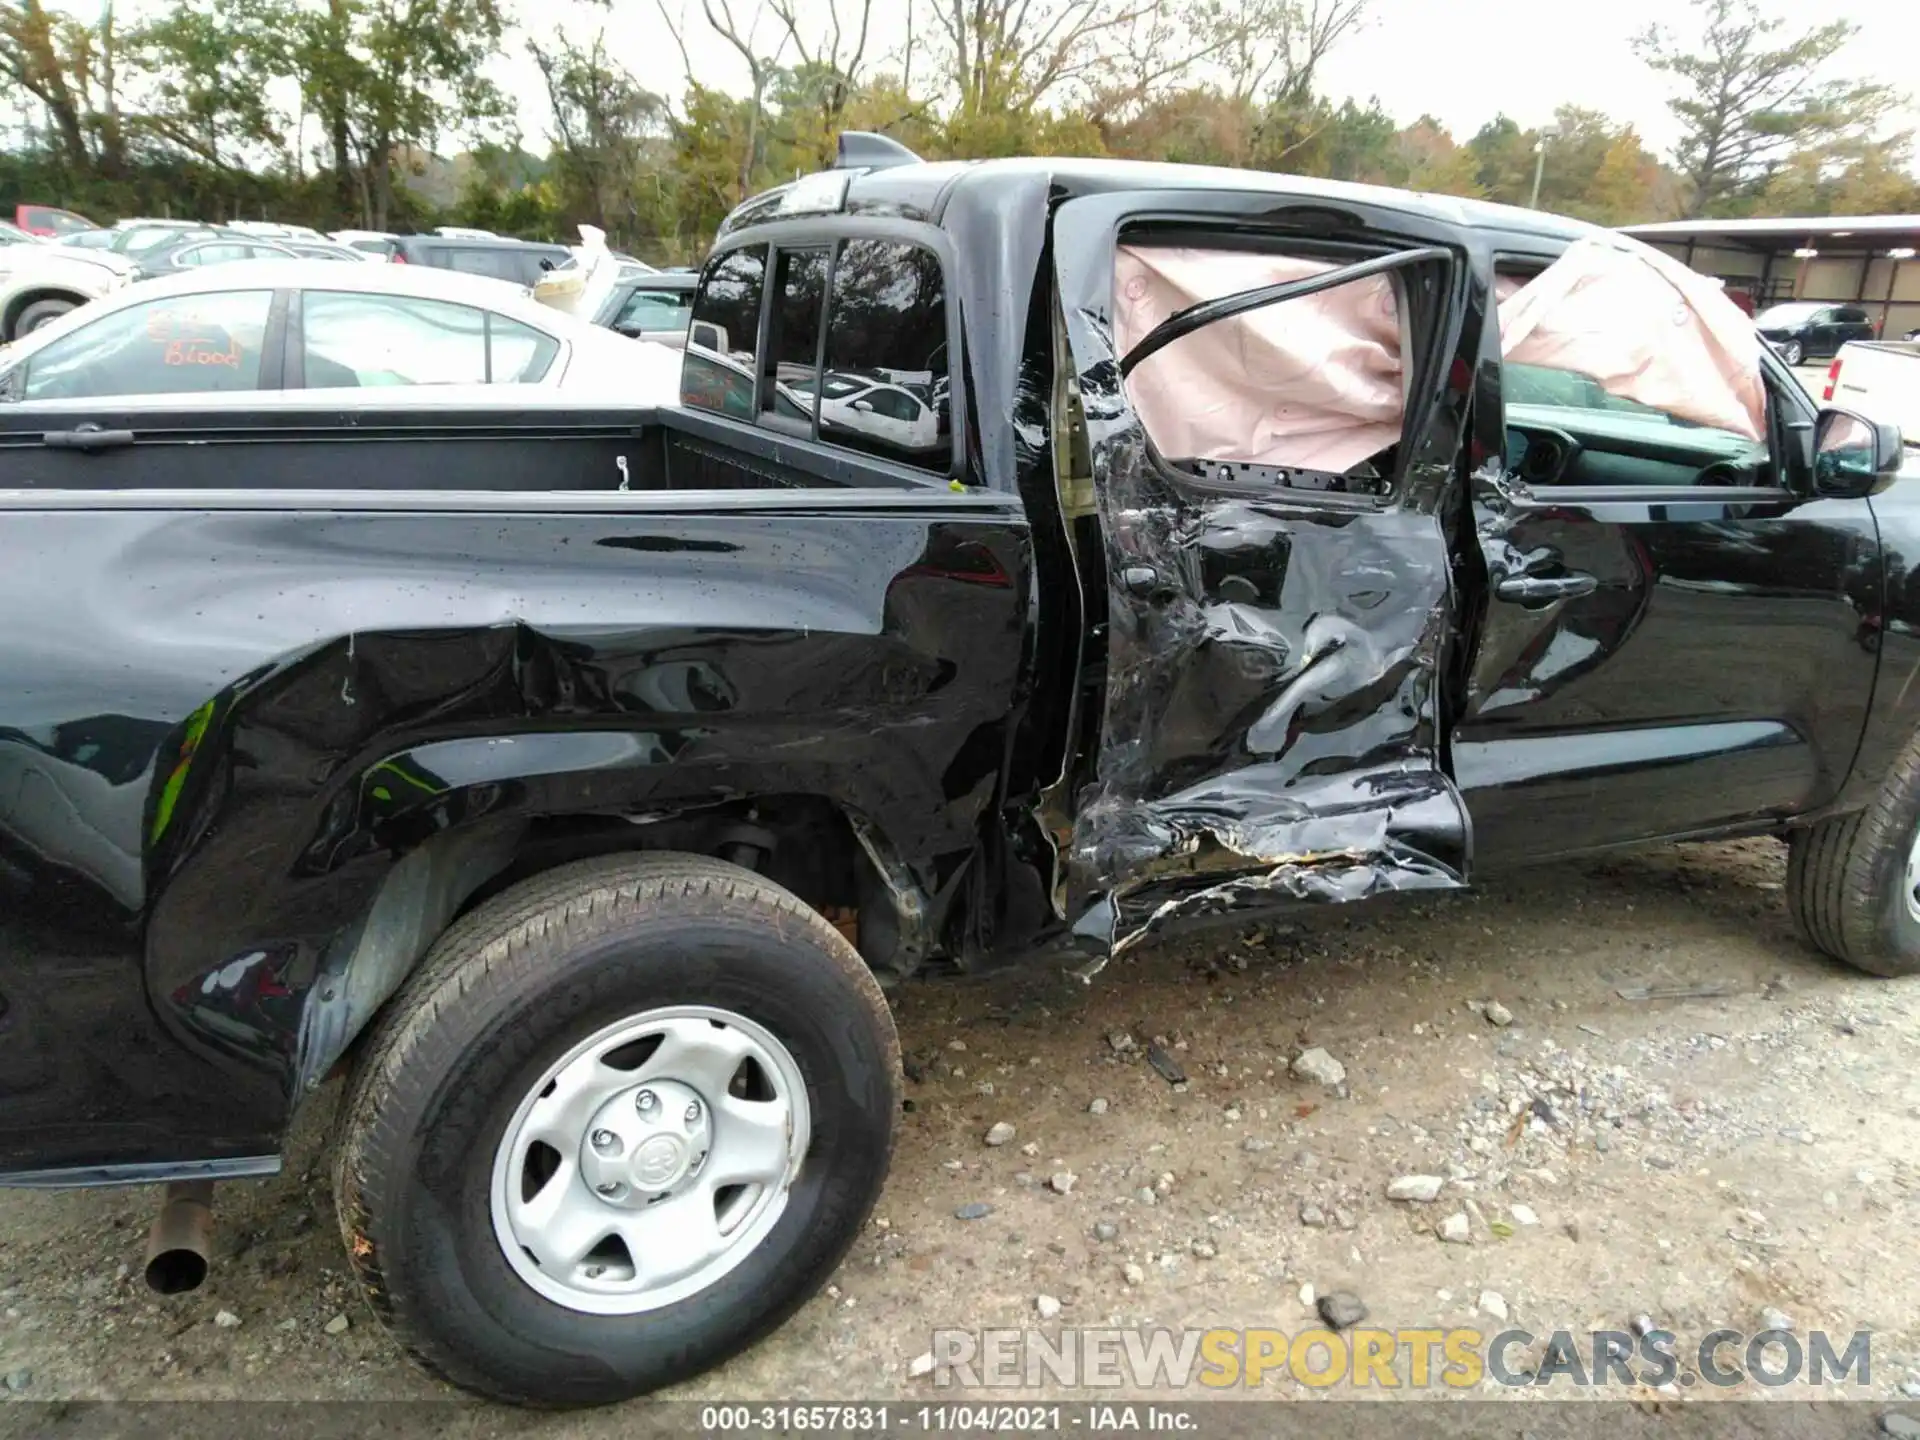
(1539, 170)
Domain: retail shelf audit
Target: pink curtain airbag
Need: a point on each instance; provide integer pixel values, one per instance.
(1314, 383)
(1317, 383)
(1646, 328)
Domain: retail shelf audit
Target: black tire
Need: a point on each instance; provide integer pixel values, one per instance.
(1847, 883)
(40, 312)
(1792, 351)
(506, 991)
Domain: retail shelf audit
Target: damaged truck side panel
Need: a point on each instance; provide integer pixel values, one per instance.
(1046, 555)
(1273, 728)
(210, 768)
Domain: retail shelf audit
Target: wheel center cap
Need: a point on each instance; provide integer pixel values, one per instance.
(646, 1142)
(659, 1162)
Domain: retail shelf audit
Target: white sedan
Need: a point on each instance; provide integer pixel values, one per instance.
(318, 326)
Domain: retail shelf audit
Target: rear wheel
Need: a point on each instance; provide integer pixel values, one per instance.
(1854, 880)
(624, 1121)
(1793, 352)
(40, 312)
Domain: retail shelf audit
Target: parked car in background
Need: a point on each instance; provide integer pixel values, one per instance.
(50, 220)
(319, 325)
(130, 237)
(40, 283)
(11, 234)
(160, 222)
(328, 250)
(1881, 380)
(875, 405)
(647, 305)
(522, 262)
(270, 230)
(194, 249)
(1806, 330)
(144, 235)
(632, 299)
(378, 243)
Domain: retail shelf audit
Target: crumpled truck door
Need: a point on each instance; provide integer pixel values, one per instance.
(1277, 635)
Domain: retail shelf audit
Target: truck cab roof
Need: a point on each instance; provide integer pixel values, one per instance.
(929, 191)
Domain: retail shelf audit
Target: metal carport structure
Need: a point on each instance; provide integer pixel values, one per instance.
(1865, 260)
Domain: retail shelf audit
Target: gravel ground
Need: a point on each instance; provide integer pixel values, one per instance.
(1745, 1146)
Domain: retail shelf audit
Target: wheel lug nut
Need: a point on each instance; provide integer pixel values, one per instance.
(594, 1272)
(646, 1101)
(608, 1187)
(693, 1113)
(604, 1140)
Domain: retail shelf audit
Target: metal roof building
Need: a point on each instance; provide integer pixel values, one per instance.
(1864, 260)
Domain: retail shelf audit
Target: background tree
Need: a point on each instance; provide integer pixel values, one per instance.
(611, 145)
(1750, 98)
(177, 107)
(213, 63)
(831, 53)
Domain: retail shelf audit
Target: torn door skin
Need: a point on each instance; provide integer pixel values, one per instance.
(1270, 727)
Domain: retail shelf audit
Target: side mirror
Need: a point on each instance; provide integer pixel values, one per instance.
(630, 330)
(865, 407)
(708, 336)
(1854, 456)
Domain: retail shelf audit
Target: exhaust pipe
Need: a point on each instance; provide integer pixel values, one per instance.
(178, 1243)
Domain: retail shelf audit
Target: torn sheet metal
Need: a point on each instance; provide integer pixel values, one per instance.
(1270, 726)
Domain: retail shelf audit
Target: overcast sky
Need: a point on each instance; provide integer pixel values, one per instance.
(1458, 60)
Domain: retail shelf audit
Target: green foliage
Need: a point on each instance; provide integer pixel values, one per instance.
(212, 63)
(1753, 102)
(186, 112)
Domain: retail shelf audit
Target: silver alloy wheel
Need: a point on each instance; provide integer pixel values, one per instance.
(1911, 880)
(649, 1160)
(1792, 352)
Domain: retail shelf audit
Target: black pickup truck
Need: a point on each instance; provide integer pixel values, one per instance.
(574, 780)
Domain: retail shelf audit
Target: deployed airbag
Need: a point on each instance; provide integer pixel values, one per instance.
(1319, 382)
(1315, 382)
(1645, 328)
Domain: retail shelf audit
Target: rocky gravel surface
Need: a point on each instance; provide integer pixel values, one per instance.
(1582, 1098)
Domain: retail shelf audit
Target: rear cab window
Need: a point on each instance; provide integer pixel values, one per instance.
(856, 347)
(723, 337)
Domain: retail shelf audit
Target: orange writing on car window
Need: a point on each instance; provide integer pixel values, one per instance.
(203, 352)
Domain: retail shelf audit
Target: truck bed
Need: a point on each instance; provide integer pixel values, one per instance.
(1880, 379)
(252, 659)
(407, 443)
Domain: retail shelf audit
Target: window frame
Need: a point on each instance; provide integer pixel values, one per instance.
(180, 258)
(810, 233)
(766, 413)
(633, 291)
(295, 340)
(1428, 343)
(1789, 410)
(273, 346)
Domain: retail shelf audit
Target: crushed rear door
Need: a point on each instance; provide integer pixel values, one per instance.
(1277, 632)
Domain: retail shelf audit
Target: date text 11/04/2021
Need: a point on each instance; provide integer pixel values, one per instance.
(947, 1419)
